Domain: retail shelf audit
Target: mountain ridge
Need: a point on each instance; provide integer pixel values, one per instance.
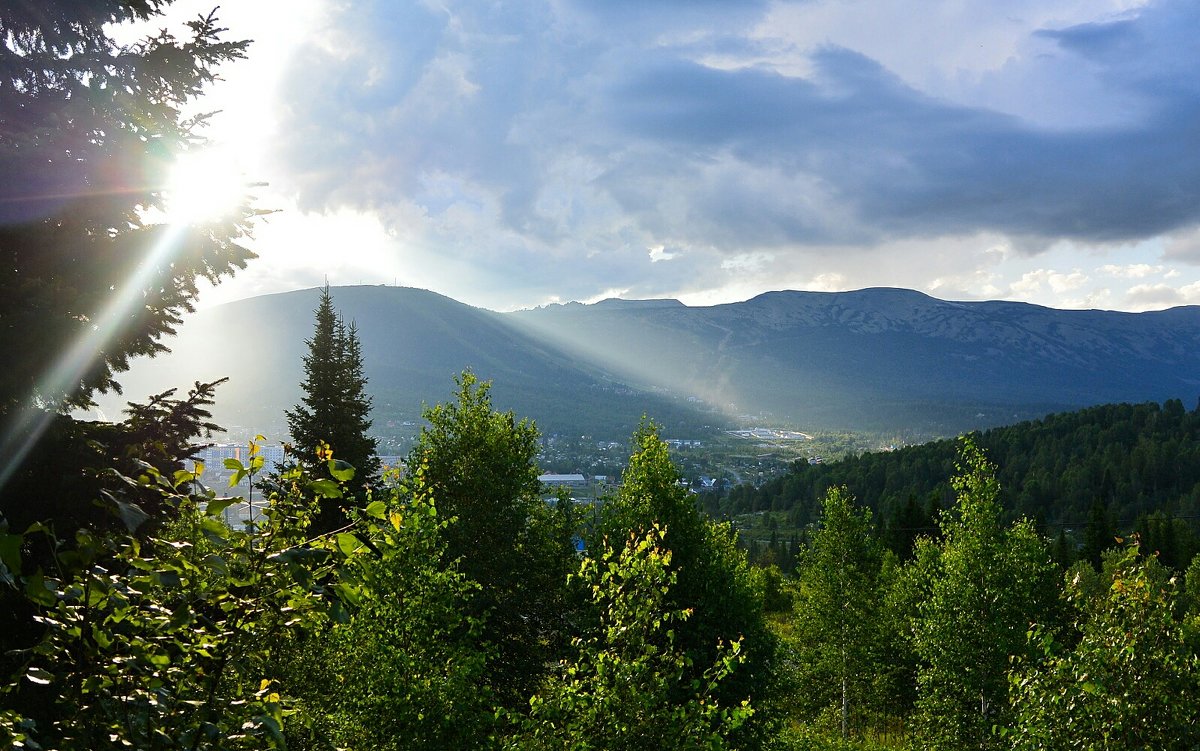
(879, 358)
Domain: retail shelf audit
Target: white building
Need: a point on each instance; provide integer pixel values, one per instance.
(549, 480)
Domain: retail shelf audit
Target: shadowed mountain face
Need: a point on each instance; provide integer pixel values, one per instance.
(874, 359)
(414, 343)
(887, 358)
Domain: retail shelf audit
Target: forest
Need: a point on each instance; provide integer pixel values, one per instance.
(940, 597)
(1081, 478)
(454, 607)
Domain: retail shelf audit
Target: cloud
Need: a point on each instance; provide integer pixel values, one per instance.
(1153, 296)
(1131, 271)
(659, 253)
(558, 141)
(1183, 246)
(1033, 282)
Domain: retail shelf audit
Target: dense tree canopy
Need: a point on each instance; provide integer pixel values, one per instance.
(478, 466)
(713, 581)
(1126, 676)
(980, 590)
(1091, 473)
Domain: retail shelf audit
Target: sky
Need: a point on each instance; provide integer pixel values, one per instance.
(513, 154)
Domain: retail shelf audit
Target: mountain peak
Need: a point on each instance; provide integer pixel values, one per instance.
(616, 302)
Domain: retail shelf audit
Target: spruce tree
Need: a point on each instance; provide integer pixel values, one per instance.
(354, 445)
(89, 128)
(335, 407)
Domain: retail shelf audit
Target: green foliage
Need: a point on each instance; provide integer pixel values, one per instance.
(405, 671)
(477, 465)
(976, 596)
(628, 685)
(90, 129)
(810, 738)
(166, 643)
(839, 629)
(714, 581)
(1093, 472)
(1131, 678)
(62, 477)
(334, 410)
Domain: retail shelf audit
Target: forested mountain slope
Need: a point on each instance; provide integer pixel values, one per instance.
(876, 359)
(1108, 468)
(414, 343)
(881, 358)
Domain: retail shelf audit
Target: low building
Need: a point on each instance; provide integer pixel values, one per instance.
(551, 481)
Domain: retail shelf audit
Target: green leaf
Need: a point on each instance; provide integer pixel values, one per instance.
(131, 514)
(326, 488)
(348, 544)
(36, 589)
(273, 728)
(348, 594)
(169, 579)
(216, 564)
(234, 464)
(10, 551)
(39, 676)
(342, 471)
(218, 505)
(376, 509)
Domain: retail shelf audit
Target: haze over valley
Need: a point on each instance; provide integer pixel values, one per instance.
(884, 360)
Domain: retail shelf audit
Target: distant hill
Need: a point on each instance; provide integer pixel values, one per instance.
(887, 358)
(879, 359)
(414, 343)
(1121, 467)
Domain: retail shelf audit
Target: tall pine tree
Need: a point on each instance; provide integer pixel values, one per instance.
(335, 407)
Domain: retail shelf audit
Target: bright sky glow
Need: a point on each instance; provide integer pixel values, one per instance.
(203, 185)
(512, 154)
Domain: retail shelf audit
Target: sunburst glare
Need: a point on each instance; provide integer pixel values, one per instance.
(203, 185)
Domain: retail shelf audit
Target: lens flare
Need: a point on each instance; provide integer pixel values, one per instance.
(28, 424)
(202, 186)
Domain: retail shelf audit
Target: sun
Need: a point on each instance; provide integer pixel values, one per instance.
(202, 186)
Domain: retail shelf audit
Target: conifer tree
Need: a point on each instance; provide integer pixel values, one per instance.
(335, 407)
(89, 128)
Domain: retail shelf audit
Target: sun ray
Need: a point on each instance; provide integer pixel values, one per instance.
(29, 423)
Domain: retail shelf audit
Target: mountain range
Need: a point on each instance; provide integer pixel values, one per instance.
(874, 359)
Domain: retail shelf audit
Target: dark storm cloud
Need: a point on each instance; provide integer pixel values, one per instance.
(915, 165)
